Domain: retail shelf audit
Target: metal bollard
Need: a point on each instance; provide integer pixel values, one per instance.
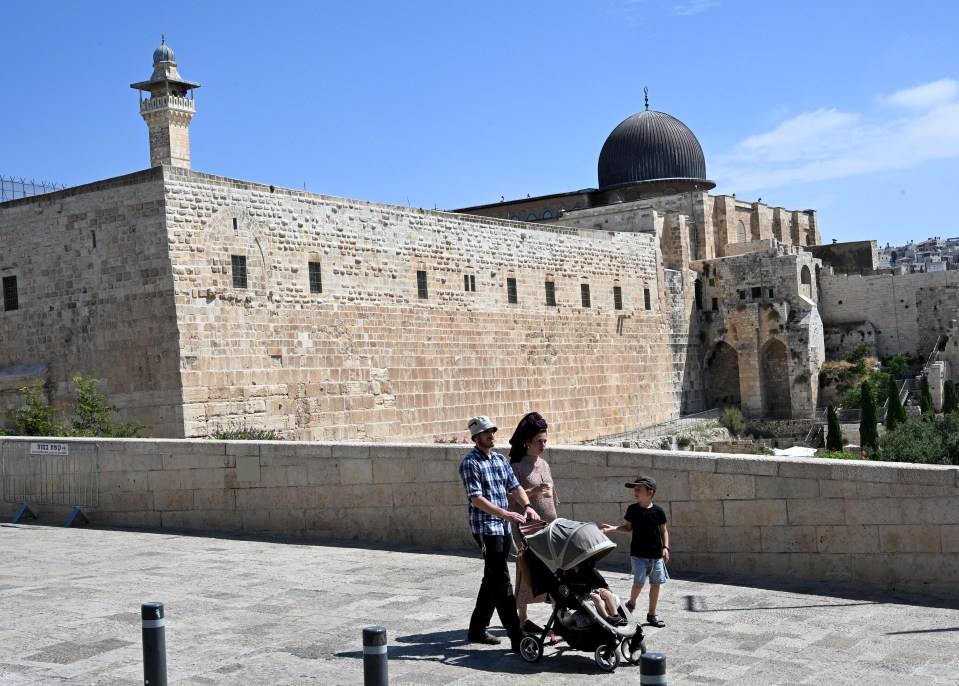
(375, 672)
(652, 668)
(154, 644)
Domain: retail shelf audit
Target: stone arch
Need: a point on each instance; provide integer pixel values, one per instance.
(774, 380)
(722, 376)
(740, 232)
(805, 282)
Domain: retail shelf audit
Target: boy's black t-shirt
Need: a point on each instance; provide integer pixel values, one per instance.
(647, 540)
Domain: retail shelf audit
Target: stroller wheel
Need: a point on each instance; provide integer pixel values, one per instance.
(530, 649)
(606, 657)
(632, 650)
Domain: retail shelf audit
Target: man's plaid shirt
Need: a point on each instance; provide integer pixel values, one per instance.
(492, 478)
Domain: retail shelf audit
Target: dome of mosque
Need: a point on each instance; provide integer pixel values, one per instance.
(163, 53)
(650, 146)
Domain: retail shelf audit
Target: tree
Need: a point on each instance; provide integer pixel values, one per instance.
(36, 418)
(868, 435)
(95, 414)
(833, 431)
(895, 413)
(732, 420)
(950, 403)
(898, 365)
(926, 405)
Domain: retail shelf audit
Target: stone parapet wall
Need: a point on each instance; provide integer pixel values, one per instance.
(890, 526)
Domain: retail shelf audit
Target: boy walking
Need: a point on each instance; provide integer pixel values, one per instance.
(649, 547)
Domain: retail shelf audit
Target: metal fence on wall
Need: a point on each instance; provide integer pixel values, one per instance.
(46, 472)
(12, 188)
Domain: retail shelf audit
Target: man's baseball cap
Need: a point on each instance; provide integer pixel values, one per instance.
(478, 425)
(647, 481)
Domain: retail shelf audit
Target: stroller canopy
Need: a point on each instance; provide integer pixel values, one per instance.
(564, 543)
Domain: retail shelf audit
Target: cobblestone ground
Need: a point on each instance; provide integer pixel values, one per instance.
(269, 611)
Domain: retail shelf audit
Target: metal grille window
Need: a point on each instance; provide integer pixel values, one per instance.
(551, 294)
(11, 300)
(316, 278)
(646, 299)
(617, 298)
(584, 294)
(238, 264)
(469, 283)
(511, 295)
(757, 292)
(421, 288)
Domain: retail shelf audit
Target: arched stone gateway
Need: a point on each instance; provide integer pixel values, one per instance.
(805, 282)
(722, 376)
(774, 376)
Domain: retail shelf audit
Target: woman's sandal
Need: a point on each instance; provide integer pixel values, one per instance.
(654, 620)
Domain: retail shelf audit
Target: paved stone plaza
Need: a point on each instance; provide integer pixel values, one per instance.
(272, 611)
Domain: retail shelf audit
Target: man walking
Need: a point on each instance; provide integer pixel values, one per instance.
(489, 480)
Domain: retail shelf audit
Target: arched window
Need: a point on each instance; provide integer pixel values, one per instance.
(547, 215)
(531, 217)
(514, 218)
(740, 232)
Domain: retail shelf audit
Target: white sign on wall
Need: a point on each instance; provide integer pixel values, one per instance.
(49, 448)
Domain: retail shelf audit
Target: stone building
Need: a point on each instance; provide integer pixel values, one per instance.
(203, 301)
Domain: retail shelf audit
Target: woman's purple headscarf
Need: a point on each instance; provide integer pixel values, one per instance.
(530, 425)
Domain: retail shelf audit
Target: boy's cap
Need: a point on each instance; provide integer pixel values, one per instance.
(478, 425)
(647, 481)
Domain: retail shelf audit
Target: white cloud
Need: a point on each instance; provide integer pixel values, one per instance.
(691, 7)
(925, 96)
(830, 144)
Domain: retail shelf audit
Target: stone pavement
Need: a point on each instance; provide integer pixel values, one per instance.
(243, 610)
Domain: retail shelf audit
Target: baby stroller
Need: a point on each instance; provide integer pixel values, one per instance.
(551, 551)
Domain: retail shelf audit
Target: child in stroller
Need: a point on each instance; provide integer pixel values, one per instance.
(561, 557)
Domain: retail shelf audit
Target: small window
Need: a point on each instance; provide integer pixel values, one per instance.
(238, 263)
(515, 218)
(757, 292)
(316, 278)
(547, 215)
(715, 304)
(531, 217)
(469, 283)
(771, 296)
(646, 299)
(11, 300)
(551, 294)
(511, 295)
(584, 294)
(422, 291)
(617, 298)
(742, 294)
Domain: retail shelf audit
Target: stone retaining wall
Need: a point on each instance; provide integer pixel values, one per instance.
(892, 526)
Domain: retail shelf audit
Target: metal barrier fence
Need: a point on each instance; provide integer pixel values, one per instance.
(51, 473)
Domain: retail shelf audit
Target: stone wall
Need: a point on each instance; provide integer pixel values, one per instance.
(909, 311)
(891, 526)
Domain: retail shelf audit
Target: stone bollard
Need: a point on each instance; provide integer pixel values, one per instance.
(154, 644)
(375, 672)
(652, 668)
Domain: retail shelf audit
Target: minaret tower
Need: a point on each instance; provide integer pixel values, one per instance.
(168, 110)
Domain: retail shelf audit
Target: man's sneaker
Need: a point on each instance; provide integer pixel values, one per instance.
(485, 637)
(630, 607)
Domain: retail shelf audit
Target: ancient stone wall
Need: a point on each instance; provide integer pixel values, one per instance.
(886, 525)
(909, 311)
(368, 359)
(95, 294)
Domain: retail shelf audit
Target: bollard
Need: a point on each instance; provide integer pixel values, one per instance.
(375, 671)
(154, 644)
(652, 668)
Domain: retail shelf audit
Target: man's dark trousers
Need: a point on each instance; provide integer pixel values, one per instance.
(496, 591)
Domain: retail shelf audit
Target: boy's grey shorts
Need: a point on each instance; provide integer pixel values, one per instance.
(643, 568)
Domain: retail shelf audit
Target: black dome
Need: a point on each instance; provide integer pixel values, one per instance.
(650, 146)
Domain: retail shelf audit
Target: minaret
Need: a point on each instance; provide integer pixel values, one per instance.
(168, 110)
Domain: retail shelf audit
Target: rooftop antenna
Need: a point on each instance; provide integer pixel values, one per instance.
(646, 93)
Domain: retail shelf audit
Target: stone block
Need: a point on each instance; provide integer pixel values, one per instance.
(242, 448)
(838, 489)
(743, 539)
(819, 567)
(174, 461)
(788, 539)
(686, 462)
(928, 474)
(754, 512)
(845, 470)
(738, 464)
(588, 512)
(395, 470)
(214, 499)
(696, 513)
(630, 460)
(798, 468)
(287, 521)
(705, 486)
(928, 511)
(949, 535)
(373, 495)
(848, 539)
(911, 538)
(351, 451)
(882, 511)
(355, 470)
(785, 487)
(165, 501)
(164, 481)
(312, 450)
(827, 511)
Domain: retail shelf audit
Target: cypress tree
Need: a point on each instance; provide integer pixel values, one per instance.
(926, 405)
(896, 413)
(868, 435)
(949, 401)
(833, 431)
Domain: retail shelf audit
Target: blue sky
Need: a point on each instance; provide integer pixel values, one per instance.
(847, 107)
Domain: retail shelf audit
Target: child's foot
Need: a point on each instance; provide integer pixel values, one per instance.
(654, 620)
(615, 620)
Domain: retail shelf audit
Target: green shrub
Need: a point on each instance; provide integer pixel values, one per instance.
(833, 431)
(732, 420)
(36, 418)
(244, 432)
(93, 415)
(840, 455)
(683, 441)
(950, 403)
